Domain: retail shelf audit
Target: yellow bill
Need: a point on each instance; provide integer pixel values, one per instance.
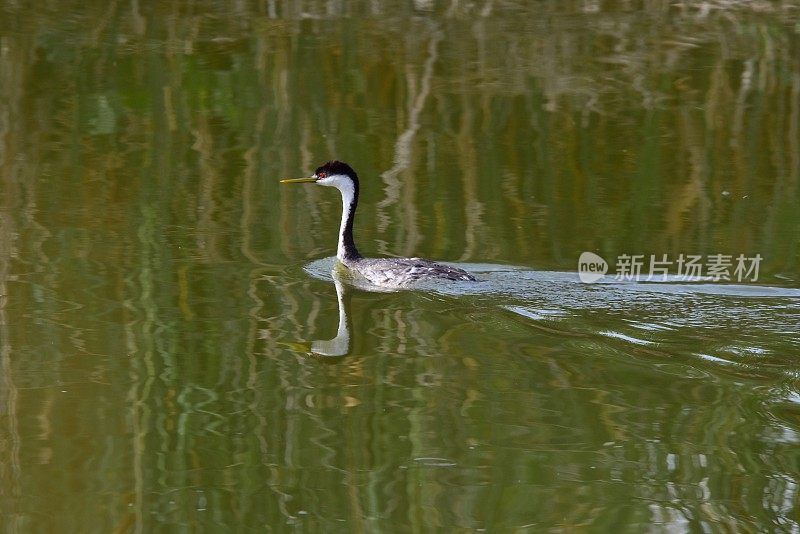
(298, 180)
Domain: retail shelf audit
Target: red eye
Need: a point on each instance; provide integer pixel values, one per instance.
(322, 174)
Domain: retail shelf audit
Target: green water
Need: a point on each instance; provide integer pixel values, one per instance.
(160, 293)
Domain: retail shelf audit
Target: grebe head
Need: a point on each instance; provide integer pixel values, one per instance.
(336, 174)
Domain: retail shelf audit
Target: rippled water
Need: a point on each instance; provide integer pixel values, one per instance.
(637, 397)
(176, 352)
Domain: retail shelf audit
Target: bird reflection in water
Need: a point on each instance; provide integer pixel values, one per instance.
(339, 345)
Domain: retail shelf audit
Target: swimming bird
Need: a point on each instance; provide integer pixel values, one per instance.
(387, 272)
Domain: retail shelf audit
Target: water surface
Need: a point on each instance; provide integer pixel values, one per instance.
(160, 292)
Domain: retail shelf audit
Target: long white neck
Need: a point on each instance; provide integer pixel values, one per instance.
(346, 251)
(346, 189)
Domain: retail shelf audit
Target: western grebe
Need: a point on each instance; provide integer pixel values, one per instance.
(390, 272)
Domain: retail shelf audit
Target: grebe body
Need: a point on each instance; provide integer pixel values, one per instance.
(387, 272)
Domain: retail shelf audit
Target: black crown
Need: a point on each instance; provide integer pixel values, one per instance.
(337, 167)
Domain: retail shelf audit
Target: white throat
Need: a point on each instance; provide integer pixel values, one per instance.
(345, 186)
